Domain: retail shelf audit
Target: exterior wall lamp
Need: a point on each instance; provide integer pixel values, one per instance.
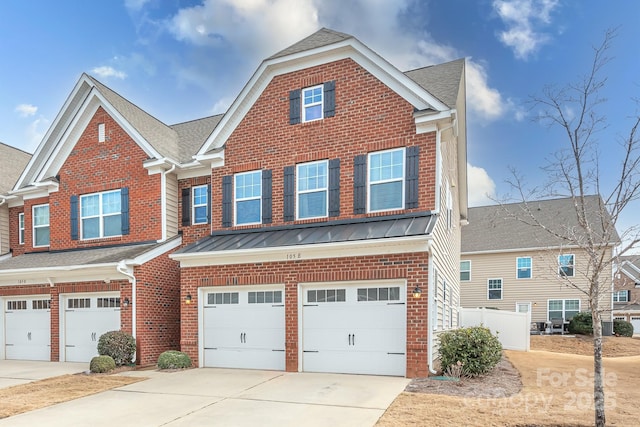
(417, 292)
(187, 300)
(126, 302)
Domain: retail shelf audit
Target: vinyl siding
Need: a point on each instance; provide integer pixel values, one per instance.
(172, 205)
(4, 230)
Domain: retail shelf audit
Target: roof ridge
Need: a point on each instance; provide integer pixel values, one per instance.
(434, 65)
(195, 120)
(16, 148)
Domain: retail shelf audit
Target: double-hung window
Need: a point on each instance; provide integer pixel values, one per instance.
(101, 214)
(494, 289)
(312, 102)
(312, 189)
(199, 204)
(465, 271)
(40, 215)
(566, 265)
(563, 308)
(248, 197)
(523, 267)
(621, 296)
(386, 180)
(21, 228)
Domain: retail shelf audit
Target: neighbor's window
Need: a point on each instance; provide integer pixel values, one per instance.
(563, 309)
(465, 271)
(494, 288)
(621, 296)
(312, 100)
(248, 192)
(21, 228)
(523, 265)
(101, 214)
(566, 265)
(312, 194)
(199, 204)
(40, 215)
(386, 180)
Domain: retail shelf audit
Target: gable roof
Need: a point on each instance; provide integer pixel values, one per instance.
(441, 80)
(322, 37)
(508, 228)
(12, 163)
(630, 266)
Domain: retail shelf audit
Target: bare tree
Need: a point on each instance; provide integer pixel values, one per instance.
(574, 171)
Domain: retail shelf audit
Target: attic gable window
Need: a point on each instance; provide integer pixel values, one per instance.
(312, 103)
(101, 132)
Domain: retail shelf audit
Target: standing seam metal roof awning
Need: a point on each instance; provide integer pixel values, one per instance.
(316, 233)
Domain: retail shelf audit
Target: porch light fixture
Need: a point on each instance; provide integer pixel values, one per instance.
(187, 300)
(126, 302)
(417, 292)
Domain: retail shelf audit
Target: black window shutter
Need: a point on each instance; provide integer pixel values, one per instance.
(208, 203)
(74, 217)
(330, 99)
(186, 207)
(334, 187)
(360, 184)
(289, 193)
(124, 200)
(294, 107)
(628, 295)
(412, 173)
(266, 197)
(227, 200)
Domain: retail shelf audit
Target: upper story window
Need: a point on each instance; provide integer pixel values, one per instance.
(101, 214)
(621, 296)
(523, 267)
(494, 289)
(40, 215)
(200, 203)
(312, 189)
(465, 271)
(312, 103)
(386, 180)
(248, 197)
(21, 228)
(566, 265)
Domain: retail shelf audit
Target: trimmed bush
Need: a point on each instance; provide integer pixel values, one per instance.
(622, 328)
(475, 348)
(102, 364)
(581, 324)
(120, 345)
(174, 360)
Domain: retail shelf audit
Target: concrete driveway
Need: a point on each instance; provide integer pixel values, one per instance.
(15, 372)
(227, 397)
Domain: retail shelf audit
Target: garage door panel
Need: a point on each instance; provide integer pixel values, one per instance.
(635, 321)
(28, 329)
(350, 362)
(242, 358)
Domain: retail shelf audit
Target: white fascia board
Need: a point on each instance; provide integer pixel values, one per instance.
(36, 193)
(389, 246)
(70, 273)
(156, 166)
(431, 122)
(537, 249)
(380, 68)
(155, 252)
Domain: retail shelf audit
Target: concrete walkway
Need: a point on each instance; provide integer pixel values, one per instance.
(227, 397)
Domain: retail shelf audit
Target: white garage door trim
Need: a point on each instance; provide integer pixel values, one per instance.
(31, 340)
(358, 351)
(251, 346)
(635, 321)
(109, 320)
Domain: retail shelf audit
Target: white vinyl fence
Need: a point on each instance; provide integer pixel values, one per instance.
(512, 328)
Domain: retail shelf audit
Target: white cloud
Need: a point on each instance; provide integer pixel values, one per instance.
(483, 100)
(481, 187)
(35, 132)
(523, 19)
(222, 105)
(135, 5)
(106, 71)
(26, 110)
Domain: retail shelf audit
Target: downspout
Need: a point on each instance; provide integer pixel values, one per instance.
(430, 308)
(122, 269)
(164, 200)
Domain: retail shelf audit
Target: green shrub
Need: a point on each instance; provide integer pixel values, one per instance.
(120, 345)
(475, 348)
(174, 360)
(101, 364)
(622, 328)
(581, 324)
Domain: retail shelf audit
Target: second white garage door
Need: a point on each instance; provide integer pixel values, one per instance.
(355, 329)
(86, 317)
(28, 328)
(244, 328)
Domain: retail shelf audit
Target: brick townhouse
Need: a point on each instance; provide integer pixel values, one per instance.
(315, 226)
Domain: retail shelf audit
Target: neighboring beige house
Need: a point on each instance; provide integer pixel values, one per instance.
(626, 291)
(510, 265)
(12, 162)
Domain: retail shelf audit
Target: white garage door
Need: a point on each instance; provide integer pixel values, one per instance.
(355, 329)
(86, 317)
(244, 328)
(28, 328)
(635, 321)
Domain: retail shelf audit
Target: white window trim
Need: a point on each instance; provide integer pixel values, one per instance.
(304, 107)
(100, 216)
(523, 303)
(469, 261)
(34, 226)
(616, 296)
(316, 190)
(564, 306)
(21, 231)
(402, 179)
(194, 205)
(573, 266)
(501, 289)
(530, 269)
(245, 199)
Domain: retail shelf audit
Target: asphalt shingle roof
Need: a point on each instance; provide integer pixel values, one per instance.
(441, 80)
(12, 163)
(191, 135)
(320, 38)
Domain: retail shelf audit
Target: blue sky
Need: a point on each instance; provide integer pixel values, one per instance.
(185, 59)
